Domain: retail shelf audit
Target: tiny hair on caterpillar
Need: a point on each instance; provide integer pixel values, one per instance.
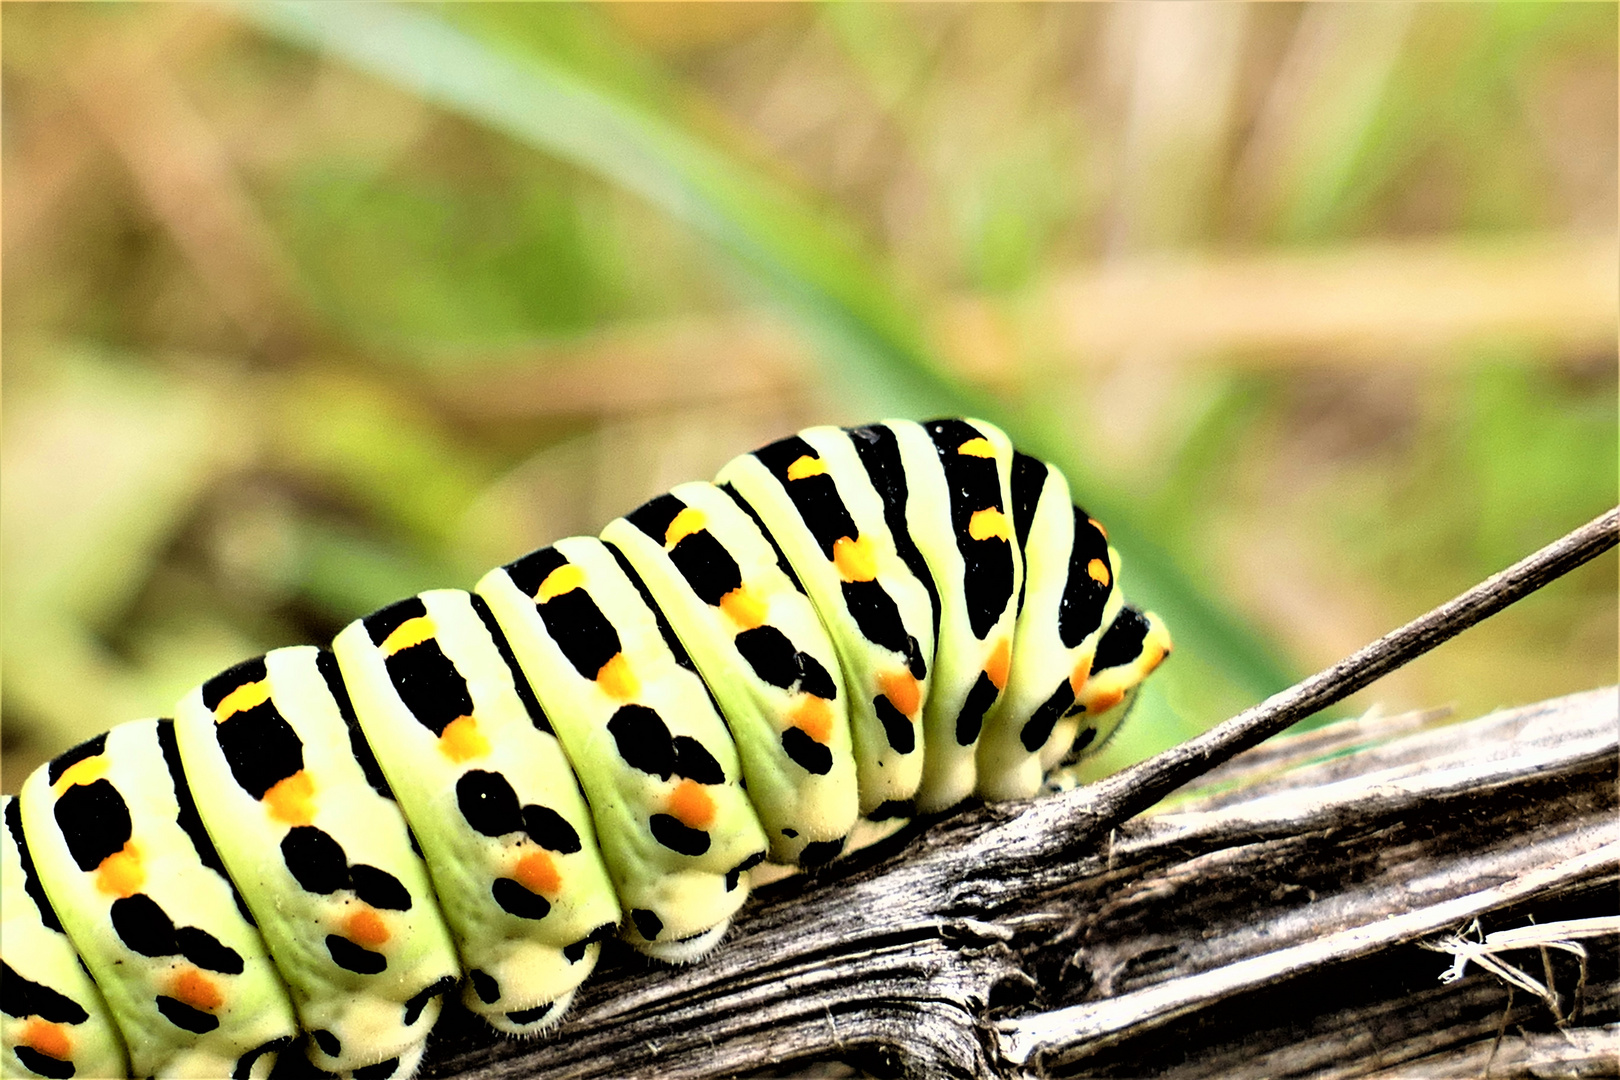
(475, 790)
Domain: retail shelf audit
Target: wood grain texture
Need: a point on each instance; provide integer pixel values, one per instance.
(1263, 932)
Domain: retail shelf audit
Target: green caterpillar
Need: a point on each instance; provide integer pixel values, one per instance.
(603, 738)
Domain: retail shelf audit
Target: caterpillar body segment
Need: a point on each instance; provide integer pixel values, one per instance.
(309, 831)
(184, 973)
(54, 1021)
(489, 794)
(813, 495)
(760, 646)
(607, 734)
(1069, 596)
(957, 514)
(659, 769)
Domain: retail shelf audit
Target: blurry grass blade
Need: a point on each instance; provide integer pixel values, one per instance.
(814, 272)
(803, 259)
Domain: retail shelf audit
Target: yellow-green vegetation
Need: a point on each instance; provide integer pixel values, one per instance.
(311, 307)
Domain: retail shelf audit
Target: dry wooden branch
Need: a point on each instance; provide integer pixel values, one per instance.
(1267, 930)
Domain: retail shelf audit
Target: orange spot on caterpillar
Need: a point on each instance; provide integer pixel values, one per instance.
(1081, 672)
(684, 524)
(87, 771)
(197, 990)
(121, 873)
(854, 558)
(291, 800)
(988, 524)
(616, 679)
(692, 805)
(537, 872)
(805, 465)
(564, 579)
(1095, 524)
(241, 699)
(48, 1038)
(1104, 700)
(745, 609)
(813, 716)
(1000, 660)
(461, 740)
(979, 447)
(1097, 571)
(408, 633)
(365, 927)
(902, 690)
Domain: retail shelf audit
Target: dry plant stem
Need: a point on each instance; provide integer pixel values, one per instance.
(1133, 790)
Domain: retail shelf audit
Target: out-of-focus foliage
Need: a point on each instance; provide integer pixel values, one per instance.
(311, 307)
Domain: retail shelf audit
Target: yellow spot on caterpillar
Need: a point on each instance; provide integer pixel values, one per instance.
(48, 1038)
(121, 873)
(408, 633)
(1081, 672)
(989, 523)
(804, 466)
(1000, 660)
(855, 559)
(745, 609)
(1097, 571)
(617, 680)
(1159, 638)
(692, 805)
(461, 740)
(902, 690)
(365, 927)
(685, 523)
(537, 872)
(291, 800)
(87, 771)
(245, 697)
(814, 717)
(197, 990)
(564, 579)
(979, 447)
(1095, 524)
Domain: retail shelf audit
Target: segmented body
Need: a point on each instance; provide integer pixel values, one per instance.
(604, 737)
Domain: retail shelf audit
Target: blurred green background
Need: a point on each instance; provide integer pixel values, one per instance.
(310, 307)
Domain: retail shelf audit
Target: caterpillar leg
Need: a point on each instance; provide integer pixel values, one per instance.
(687, 949)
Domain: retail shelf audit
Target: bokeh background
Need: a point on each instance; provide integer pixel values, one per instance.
(311, 307)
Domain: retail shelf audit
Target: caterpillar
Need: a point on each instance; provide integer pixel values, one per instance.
(603, 738)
